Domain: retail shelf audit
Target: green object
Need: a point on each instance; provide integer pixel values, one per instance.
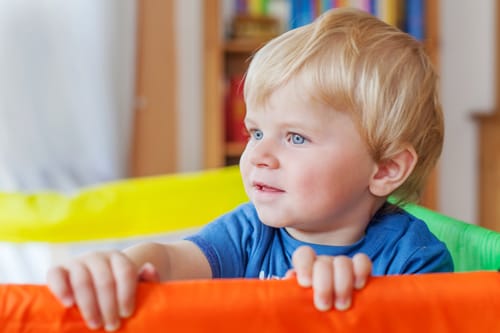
(472, 247)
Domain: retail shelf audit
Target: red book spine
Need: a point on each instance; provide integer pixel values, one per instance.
(235, 111)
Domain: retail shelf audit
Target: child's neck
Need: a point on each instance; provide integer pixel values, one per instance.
(339, 234)
(343, 236)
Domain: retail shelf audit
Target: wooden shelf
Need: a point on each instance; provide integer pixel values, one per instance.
(486, 116)
(234, 149)
(244, 45)
(489, 171)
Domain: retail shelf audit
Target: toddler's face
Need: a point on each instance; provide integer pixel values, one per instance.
(306, 166)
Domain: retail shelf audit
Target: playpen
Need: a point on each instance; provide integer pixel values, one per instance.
(39, 230)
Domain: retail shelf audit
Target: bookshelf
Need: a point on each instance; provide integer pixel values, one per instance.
(225, 57)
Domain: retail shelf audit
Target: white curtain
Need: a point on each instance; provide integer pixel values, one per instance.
(66, 92)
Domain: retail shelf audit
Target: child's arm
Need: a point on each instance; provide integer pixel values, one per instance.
(332, 278)
(103, 284)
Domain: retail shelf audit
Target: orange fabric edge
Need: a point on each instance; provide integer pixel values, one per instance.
(441, 302)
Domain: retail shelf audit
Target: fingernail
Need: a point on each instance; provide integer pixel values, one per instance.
(93, 324)
(67, 302)
(359, 283)
(289, 274)
(111, 327)
(322, 304)
(304, 281)
(125, 313)
(342, 304)
(148, 265)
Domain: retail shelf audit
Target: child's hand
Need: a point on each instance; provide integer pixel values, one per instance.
(332, 278)
(102, 285)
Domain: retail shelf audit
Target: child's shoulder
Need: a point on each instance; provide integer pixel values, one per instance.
(407, 245)
(398, 228)
(402, 226)
(395, 217)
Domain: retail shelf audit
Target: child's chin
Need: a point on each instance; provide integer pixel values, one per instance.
(273, 221)
(275, 225)
(273, 216)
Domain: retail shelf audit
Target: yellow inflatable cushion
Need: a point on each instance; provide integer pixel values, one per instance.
(132, 207)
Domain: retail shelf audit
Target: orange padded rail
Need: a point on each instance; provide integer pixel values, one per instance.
(447, 302)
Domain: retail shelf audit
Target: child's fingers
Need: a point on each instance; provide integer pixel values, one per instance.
(303, 260)
(125, 275)
(84, 294)
(343, 281)
(362, 267)
(289, 274)
(105, 287)
(59, 285)
(322, 283)
(148, 273)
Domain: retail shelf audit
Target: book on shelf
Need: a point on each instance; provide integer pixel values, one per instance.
(235, 110)
(415, 18)
(408, 15)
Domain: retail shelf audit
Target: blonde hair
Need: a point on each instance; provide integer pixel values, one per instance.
(358, 64)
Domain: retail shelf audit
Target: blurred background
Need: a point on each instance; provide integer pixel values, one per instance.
(66, 92)
(93, 91)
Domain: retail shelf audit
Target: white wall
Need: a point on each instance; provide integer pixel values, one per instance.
(467, 72)
(66, 92)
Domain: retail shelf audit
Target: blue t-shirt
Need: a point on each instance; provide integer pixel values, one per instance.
(238, 244)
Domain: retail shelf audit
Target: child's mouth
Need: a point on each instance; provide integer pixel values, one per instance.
(266, 188)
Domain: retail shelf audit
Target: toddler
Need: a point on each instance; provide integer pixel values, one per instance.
(341, 114)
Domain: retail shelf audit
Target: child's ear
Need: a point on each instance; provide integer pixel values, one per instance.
(393, 172)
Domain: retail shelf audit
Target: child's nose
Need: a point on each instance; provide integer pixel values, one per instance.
(264, 155)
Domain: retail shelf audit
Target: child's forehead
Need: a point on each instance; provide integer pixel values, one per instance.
(295, 94)
(294, 106)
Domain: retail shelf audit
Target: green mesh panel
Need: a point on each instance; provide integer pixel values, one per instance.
(472, 247)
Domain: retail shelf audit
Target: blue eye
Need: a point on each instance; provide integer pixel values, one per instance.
(257, 134)
(297, 139)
